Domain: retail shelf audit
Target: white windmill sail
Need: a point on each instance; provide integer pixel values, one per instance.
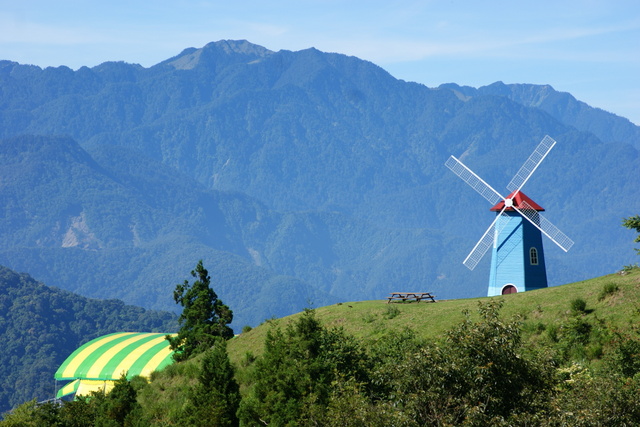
(486, 241)
(516, 184)
(477, 183)
(545, 226)
(531, 164)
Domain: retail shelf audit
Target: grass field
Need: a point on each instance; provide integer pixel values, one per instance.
(614, 298)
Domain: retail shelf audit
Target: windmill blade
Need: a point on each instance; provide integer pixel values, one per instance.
(485, 242)
(544, 225)
(532, 163)
(467, 175)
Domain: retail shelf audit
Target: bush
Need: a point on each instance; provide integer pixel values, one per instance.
(608, 289)
(625, 357)
(578, 306)
(480, 374)
(392, 311)
(629, 268)
(535, 328)
(298, 368)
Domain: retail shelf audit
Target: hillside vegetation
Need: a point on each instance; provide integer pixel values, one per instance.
(559, 356)
(613, 299)
(41, 326)
(586, 350)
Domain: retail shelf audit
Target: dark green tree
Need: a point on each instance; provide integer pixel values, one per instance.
(214, 401)
(298, 369)
(32, 414)
(633, 223)
(204, 317)
(120, 403)
(479, 375)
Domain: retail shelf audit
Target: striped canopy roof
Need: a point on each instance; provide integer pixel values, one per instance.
(109, 356)
(85, 387)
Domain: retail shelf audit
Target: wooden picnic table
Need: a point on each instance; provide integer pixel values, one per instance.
(404, 296)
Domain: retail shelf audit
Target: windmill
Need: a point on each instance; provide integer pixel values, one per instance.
(517, 262)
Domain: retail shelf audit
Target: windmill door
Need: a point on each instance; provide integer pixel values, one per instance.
(509, 289)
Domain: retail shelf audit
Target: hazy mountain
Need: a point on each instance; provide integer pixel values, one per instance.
(562, 106)
(133, 229)
(298, 177)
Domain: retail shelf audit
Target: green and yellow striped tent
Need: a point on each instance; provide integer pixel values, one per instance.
(100, 362)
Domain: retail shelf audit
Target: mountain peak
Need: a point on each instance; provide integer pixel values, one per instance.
(231, 50)
(239, 46)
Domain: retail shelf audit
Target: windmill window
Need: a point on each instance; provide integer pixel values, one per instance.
(533, 256)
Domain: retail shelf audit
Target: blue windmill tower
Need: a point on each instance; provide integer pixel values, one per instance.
(517, 262)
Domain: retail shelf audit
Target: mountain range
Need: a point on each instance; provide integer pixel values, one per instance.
(299, 178)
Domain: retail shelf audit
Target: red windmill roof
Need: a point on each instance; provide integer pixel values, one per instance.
(517, 202)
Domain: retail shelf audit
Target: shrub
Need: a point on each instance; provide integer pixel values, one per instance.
(392, 311)
(625, 357)
(552, 332)
(478, 375)
(535, 328)
(629, 268)
(248, 359)
(298, 368)
(369, 318)
(578, 305)
(608, 289)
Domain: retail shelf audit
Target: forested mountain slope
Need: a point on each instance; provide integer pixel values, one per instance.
(300, 178)
(41, 326)
(132, 229)
(563, 107)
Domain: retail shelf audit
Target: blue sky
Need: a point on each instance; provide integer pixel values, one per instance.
(590, 48)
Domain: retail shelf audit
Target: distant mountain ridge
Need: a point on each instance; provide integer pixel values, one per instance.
(562, 106)
(300, 178)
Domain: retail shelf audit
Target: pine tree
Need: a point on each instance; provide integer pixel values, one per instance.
(204, 317)
(216, 397)
(120, 402)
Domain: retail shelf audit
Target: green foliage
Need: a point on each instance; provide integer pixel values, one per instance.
(118, 408)
(32, 414)
(633, 223)
(40, 326)
(391, 312)
(350, 405)
(607, 290)
(578, 305)
(625, 357)
(629, 268)
(204, 317)
(215, 400)
(121, 402)
(478, 375)
(298, 368)
(481, 371)
(587, 400)
(534, 327)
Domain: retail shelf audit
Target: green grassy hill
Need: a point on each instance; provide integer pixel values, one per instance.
(548, 319)
(566, 355)
(540, 310)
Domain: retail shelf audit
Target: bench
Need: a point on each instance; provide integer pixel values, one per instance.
(417, 296)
